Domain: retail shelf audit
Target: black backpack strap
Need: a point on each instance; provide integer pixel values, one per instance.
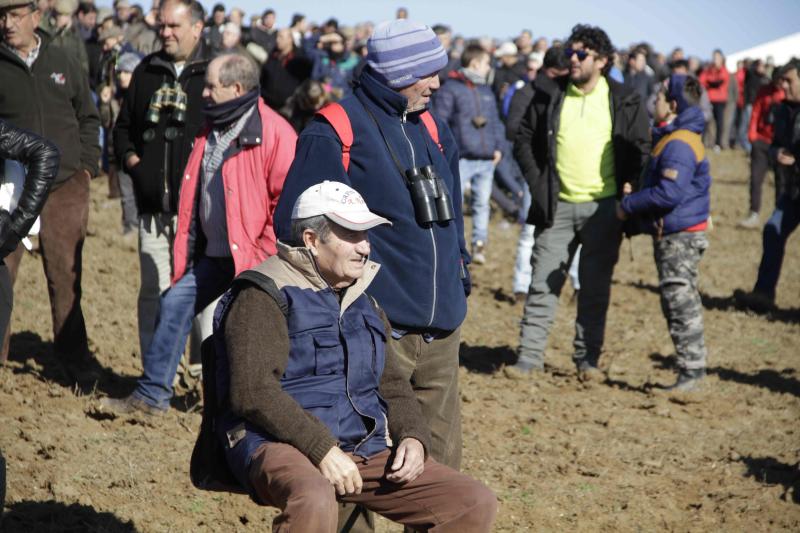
(266, 284)
(208, 467)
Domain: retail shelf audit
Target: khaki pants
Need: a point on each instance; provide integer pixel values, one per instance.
(432, 369)
(440, 499)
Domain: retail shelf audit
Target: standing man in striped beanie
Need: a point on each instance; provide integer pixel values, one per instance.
(383, 142)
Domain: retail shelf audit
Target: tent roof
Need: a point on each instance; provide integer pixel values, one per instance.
(781, 51)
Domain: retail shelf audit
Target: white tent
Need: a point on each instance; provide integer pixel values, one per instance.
(781, 50)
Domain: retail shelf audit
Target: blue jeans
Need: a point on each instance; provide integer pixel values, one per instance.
(201, 285)
(779, 227)
(744, 125)
(522, 264)
(477, 175)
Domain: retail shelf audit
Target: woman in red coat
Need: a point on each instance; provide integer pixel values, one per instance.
(715, 79)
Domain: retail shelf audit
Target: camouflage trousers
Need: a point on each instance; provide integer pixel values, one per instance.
(677, 257)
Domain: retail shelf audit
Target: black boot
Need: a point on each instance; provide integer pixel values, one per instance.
(688, 380)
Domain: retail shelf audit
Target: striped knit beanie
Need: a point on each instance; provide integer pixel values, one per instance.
(402, 52)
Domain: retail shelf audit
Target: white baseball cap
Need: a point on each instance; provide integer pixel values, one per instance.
(339, 203)
(506, 49)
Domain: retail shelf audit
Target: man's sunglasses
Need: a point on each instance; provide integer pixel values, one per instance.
(582, 54)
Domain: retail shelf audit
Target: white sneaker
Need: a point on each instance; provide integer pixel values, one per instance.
(477, 253)
(753, 221)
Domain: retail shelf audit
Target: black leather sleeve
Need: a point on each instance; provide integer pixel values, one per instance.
(41, 158)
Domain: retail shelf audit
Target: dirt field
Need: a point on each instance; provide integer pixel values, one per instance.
(561, 455)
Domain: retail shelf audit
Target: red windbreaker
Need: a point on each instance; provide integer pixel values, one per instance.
(715, 80)
(761, 128)
(253, 180)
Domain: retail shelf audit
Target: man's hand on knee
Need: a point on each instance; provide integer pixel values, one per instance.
(341, 471)
(409, 462)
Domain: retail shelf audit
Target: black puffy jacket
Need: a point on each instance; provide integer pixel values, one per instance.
(41, 157)
(535, 144)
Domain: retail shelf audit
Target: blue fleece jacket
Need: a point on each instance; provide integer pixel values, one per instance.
(423, 281)
(675, 194)
(458, 103)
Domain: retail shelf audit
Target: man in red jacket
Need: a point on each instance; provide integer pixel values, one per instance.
(230, 188)
(760, 135)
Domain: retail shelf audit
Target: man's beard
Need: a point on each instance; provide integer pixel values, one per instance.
(581, 79)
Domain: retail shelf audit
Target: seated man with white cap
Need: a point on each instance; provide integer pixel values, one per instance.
(312, 405)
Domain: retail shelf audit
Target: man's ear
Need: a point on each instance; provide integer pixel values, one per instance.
(601, 62)
(197, 29)
(673, 107)
(310, 240)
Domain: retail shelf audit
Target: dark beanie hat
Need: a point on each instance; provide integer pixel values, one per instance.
(675, 91)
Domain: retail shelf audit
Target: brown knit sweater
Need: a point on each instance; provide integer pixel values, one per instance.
(257, 342)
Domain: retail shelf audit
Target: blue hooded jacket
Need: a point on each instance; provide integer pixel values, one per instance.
(423, 282)
(458, 103)
(675, 194)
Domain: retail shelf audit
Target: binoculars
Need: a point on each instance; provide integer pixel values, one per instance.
(479, 121)
(429, 194)
(168, 97)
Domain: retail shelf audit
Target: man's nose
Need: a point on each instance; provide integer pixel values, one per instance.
(363, 247)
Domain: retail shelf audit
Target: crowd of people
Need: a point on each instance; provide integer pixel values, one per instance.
(297, 195)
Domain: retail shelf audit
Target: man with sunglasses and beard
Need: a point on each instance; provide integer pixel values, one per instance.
(579, 153)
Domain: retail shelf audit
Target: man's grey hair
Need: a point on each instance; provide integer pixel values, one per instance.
(318, 224)
(238, 68)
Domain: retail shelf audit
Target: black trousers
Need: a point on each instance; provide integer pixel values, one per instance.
(759, 164)
(718, 109)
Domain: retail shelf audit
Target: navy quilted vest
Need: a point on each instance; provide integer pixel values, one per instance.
(333, 372)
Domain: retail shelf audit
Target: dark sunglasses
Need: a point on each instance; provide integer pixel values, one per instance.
(582, 54)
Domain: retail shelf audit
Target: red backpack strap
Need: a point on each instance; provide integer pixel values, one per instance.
(433, 130)
(337, 117)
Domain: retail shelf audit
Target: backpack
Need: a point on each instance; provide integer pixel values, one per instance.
(337, 117)
(208, 467)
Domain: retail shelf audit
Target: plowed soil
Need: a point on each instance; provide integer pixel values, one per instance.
(561, 455)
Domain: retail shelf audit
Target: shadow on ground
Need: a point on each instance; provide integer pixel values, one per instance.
(485, 359)
(780, 381)
(770, 471)
(789, 315)
(36, 357)
(50, 516)
(773, 380)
